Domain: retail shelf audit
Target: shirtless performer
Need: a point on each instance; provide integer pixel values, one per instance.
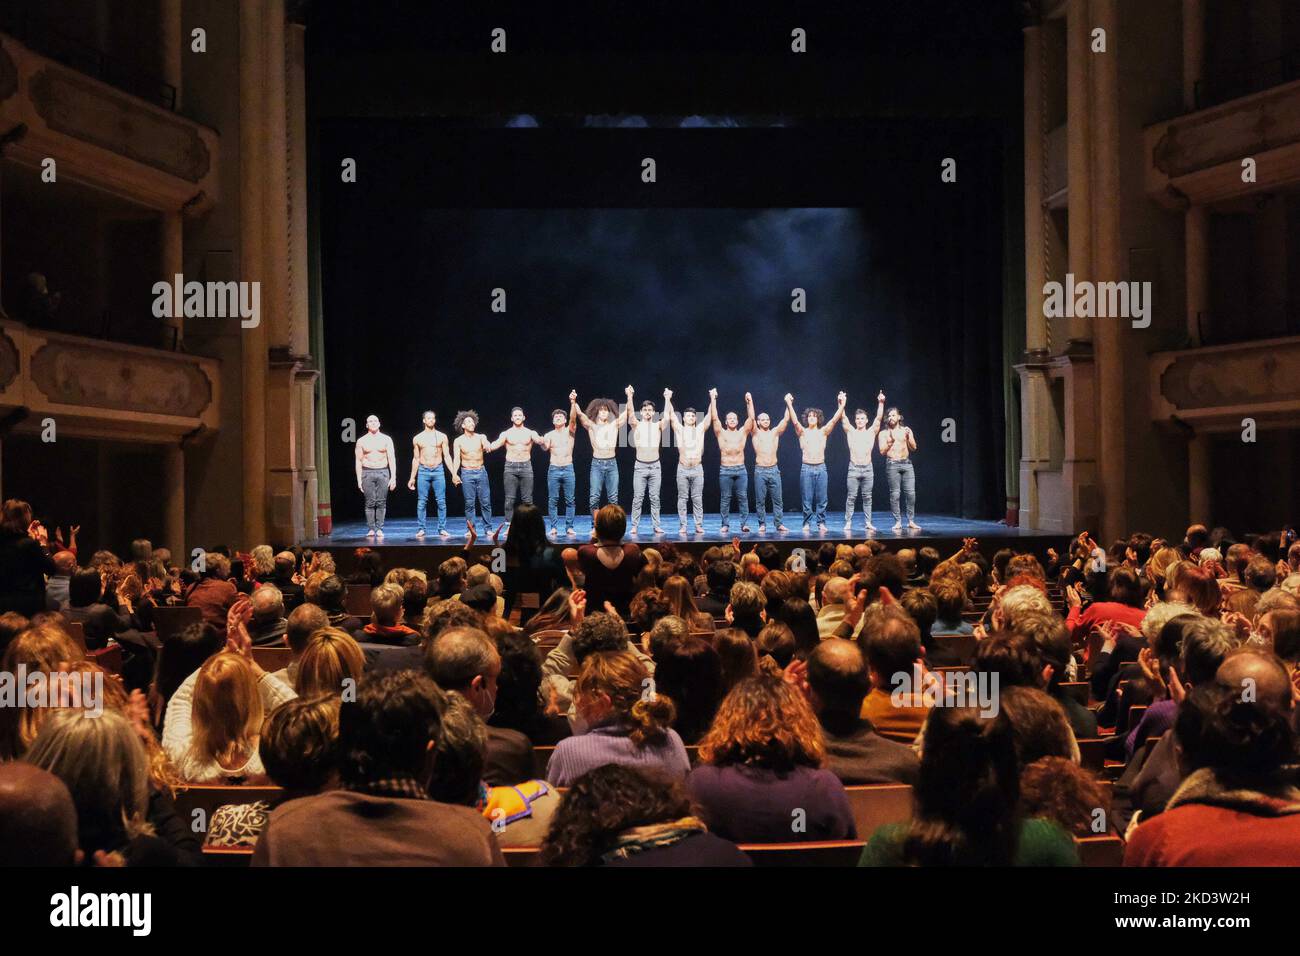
(647, 436)
(812, 475)
(733, 475)
(689, 434)
(376, 474)
(897, 443)
(559, 476)
(467, 468)
(767, 474)
(431, 452)
(519, 443)
(862, 442)
(602, 421)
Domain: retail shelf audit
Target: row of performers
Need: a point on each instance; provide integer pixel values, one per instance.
(377, 467)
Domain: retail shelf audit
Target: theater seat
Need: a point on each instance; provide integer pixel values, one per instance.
(829, 853)
(875, 805)
(272, 659)
(1106, 850)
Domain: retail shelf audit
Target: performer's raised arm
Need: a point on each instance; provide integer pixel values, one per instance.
(667, 420)
(785, 421)
(576, 414)
(839, 414)
(791, 416)
(709, 417)
(712, 414)
(626, 414)
(748, 426)
(880, 410)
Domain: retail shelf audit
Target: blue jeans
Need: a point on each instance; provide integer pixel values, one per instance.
(519, 485)
(559, 478)
(861, 478)
(812, 488)
(902, 479)
(424, 479)
(474, 482)
(690, 487)
(604, 476)
(735, 480)
(648, 475)
(767, 481)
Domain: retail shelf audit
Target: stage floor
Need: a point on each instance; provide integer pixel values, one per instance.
(402, 531)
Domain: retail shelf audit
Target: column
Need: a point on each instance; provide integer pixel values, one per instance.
(1198, 480)
(172, 264)
(1035, 322)
(1193, 50)
(174, 503)
(1078, 140)
(1196, 253)
(1111, 334)
(173, 42)
(252, 134)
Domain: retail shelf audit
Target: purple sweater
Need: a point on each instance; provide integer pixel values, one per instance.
(752, 805)
(607, 744)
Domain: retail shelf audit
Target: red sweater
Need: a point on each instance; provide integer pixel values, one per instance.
(1197, 834)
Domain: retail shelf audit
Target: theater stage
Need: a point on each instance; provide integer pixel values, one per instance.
(401, 548)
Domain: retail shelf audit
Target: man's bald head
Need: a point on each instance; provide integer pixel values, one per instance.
(837, 677)
(38, 821)
(1259, 672)
(268, 603)
(836, 591)
(65, 562)
(285, 562)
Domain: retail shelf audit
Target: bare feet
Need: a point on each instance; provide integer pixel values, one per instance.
(420, 533)
(444, 533)
(914, 526)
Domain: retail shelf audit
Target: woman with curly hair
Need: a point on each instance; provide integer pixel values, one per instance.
(620, 816)
(628, 723)
(761, 777)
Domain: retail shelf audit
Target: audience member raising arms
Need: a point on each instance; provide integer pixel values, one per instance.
(966, 800)
(610, 567)
(761, 776)
(620, 816)
(628, 723)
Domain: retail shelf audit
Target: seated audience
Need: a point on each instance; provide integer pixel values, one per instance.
(520, 813)
(518, 706)
(737, 655)
(609, 565)
(762, 776)
(299, 747)
(464, 660)
(331, 663)
(1059, 790)
(388, 618)
(891, 642)
(1238, 805)
(837, 683)
(213, 593)
(101, 760)
(382, 814)
(268, 624)
(689, 671)
(966, 803)
(38, 820)
(621, 816)
(624, 724)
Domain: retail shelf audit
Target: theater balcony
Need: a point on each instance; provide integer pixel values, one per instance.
(1214, 387)
(102, 135)
(1196, 159)
(54, 386)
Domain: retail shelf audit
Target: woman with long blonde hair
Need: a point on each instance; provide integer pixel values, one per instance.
(681, 602)
(46, 649)
(215, 717)
(331, 657)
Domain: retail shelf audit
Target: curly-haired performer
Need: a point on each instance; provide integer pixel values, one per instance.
(602, 419)
(812, 475)
(467, 468)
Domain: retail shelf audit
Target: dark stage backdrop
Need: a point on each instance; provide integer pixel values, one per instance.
(903, 287)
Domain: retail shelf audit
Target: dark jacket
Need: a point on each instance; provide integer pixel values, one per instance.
(23, 566)
(858, 755)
